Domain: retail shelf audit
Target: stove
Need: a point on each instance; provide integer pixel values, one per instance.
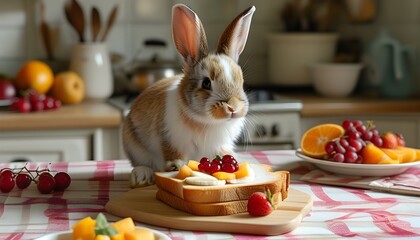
(273, 121)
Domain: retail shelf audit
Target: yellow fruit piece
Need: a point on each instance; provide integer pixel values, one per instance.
(119, 236)
(102, 237)
(395, 154)
(84, 229)
(68, 87)
(35, 75)
(224, 175)
(243, 170)
(124, 225)
(314, 140)
(139, 234)
(193, 165)
(373, 155)
(184, 172)
(408, 154)
(417, 154)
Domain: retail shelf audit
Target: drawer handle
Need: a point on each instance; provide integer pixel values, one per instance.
(20, 160)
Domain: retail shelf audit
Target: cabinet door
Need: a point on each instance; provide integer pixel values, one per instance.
(45, 149)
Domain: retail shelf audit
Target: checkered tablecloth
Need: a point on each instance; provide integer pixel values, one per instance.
(337, 212)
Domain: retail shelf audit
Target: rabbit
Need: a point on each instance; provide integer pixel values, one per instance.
(198, 113)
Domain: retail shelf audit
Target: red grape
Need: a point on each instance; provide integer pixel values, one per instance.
(228, 159)
(228, 167)
(204, 160)
(23, 180)
(214, 168)
(338, 157)
(347, 124)
(350, 157)
(356, 144)
(62, 181)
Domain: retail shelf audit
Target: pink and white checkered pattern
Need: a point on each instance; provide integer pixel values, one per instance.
(337, 212)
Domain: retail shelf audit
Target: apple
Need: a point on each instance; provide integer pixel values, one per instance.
(7, 90)
(68, 87)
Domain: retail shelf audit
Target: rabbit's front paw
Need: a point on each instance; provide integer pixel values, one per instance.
(141, 176)
(174, 165)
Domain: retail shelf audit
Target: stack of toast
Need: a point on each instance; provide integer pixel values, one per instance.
(221, 200)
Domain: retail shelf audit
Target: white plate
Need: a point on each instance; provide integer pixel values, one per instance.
(352, 169)
(67, 235)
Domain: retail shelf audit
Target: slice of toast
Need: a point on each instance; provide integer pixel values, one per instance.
(208, 209)
(277, 182)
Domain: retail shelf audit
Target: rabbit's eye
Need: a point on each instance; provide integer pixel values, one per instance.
(206, 84)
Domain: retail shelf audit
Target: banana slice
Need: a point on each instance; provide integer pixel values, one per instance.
(203, 175)
(204, 181)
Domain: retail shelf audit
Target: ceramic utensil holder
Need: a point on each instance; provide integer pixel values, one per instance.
(92, 62)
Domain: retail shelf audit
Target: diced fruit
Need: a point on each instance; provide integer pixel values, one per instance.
(193, 165)
(389, 140)
(374, 155)
(395, 154)
(124, 225)
(184, 172)
(139, 234)
(408, 154)
(260, 204)
(84, 229)
(314, 140)
(243, 170)
(118, 236)
(102, 237)
(224, 175)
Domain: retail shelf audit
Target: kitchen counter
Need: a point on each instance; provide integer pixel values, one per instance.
(84, 115)
(317, 106)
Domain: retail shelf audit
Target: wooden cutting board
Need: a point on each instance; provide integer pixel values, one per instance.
(141, 205)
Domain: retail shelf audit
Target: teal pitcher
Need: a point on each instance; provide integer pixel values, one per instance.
(392, 65)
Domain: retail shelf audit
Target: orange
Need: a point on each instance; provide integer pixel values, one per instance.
(35, 75)
(68, 87)
(314, 140)
(374, 155)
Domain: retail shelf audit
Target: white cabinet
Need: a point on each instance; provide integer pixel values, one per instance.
(68, 145)
(406, 124)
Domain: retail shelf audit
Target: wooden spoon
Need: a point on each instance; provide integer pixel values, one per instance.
(110, 22)
(96, 23)
(78, 19)
(45, 33)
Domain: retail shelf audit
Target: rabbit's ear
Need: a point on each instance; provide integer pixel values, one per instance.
(188, 33)
(233, 40)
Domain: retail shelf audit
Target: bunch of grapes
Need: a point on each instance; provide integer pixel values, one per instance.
(22, 178)
(348, 148)
(227, 163)
(35, 102)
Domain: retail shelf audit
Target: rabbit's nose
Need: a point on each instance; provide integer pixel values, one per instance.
(230, 108)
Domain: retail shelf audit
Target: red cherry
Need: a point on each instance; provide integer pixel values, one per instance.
(62, 181)
(7, 183)
(46, 183)
(228, 167)
(23, 180)
(228, 159)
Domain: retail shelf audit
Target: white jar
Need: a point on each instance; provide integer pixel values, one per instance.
(92, 62)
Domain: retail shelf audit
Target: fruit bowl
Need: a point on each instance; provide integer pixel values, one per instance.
(67, 235)
(352, 169)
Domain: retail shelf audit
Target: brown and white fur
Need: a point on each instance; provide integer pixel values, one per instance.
(182, 118)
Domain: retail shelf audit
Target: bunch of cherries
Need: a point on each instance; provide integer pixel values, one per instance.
(348, 147)
(227, 163)
(22, 178)
(35, 102)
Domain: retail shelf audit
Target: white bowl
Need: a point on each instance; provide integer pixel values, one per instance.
(67, 235)
(335, 79)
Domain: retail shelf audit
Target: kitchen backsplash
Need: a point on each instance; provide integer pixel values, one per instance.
(143, 19)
